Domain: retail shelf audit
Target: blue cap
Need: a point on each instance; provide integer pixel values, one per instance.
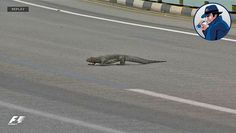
(211, 9)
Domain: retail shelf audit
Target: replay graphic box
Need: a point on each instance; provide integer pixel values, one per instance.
(17, 9)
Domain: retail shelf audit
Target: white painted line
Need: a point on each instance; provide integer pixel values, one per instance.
(115, 21)
(185, 101)
(106, 19)
(59, 118)
(228, 39)
(32, 4)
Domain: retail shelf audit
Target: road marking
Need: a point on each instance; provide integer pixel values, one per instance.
(115, 21)
(59, 118)
(185, 101)
(163, 96)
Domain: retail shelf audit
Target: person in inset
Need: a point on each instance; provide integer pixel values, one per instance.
(215, 27)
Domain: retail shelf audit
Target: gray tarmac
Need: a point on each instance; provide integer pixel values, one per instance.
(44, 75)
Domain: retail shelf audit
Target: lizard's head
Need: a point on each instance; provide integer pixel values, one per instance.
(91, 60)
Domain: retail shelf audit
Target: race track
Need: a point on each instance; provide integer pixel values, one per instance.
(44, 75)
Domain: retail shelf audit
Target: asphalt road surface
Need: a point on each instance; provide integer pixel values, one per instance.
(45, 78)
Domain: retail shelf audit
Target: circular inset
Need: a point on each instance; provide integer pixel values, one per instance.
(212, 21)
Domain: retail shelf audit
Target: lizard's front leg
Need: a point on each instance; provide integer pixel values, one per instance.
(112, 61)
(122, 60)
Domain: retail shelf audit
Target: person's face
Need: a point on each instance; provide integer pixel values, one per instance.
(210, 17)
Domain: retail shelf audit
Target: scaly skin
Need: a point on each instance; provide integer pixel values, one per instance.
(111, 59)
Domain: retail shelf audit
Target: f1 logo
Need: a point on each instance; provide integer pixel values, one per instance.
(16, 120)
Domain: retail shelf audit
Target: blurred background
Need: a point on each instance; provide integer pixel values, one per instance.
(229, 4)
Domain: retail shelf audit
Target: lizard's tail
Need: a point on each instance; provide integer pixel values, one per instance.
(141, 60)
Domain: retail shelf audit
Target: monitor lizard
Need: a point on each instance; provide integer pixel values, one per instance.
(111, 59)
